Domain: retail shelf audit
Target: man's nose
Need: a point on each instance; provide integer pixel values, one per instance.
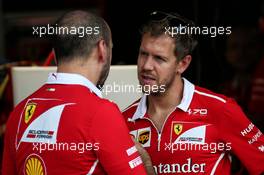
(148, 64)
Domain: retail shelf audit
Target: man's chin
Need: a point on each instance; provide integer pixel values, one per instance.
(153, 89)
(148, 88)
(153, 93)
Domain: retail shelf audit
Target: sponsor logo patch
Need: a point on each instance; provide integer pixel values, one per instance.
(135, 162)
(42, 127)
(34, 165)
(191, 139)
(30, 109)
(198, 112)
(177, 128)
(131, 150)
(142, 135)
(40, 134)
(188, 132)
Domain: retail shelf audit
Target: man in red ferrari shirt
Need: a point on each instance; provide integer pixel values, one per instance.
(66, 127)
(186, 129)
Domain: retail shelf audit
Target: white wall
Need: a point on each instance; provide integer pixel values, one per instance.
(122, 82)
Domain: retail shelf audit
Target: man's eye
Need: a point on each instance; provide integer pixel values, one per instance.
(160, 59)
(143, 53)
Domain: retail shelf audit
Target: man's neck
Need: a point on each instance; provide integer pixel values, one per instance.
(88, 70)
(160, 107)
(167, 101)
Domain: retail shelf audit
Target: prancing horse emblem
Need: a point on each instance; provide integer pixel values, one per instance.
(177, 128)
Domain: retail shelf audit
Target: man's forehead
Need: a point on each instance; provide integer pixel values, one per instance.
(161, 38)
(161, 41)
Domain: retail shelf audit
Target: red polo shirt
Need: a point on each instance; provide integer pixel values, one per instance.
(199, 135)
(66, 128)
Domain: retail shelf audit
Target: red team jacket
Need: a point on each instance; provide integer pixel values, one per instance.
(66, 128)
(198, 135)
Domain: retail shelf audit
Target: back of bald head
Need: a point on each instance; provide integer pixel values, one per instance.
(77, 33)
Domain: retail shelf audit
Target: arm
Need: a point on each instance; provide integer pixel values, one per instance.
(247, 141)
(117, 152)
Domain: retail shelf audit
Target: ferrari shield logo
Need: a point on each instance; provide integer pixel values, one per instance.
(177, 128)
(30, 109)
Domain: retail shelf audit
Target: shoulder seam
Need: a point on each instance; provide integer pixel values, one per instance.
(210, 95)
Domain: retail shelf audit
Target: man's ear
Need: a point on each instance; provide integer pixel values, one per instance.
(184, 64)
(102, 51)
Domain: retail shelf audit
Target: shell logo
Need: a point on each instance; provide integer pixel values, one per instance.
(34, 165)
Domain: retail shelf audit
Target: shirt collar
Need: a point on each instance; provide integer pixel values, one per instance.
(76, 79)
(188, 90)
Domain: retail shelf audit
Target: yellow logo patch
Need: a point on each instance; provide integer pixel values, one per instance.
(177, 128)
(143, 137)
(30, 109)
(34, 166)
